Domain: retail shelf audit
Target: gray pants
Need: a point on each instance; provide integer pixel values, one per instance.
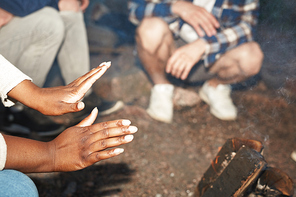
(32, 43)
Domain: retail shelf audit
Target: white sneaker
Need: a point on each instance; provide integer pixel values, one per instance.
(219, 100)
(161, 103)
(293, 155)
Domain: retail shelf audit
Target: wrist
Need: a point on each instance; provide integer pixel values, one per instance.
(202, 45)
(28, 155)
(34, 98)
(25, 92)
(51, 147)
(175, 7)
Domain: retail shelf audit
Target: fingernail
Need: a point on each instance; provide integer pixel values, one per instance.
(94, 109)
(118, 150)
(128, 138)
(126, 122)
(105, 64)
(80, 105)
(108, 64)
(132, 129)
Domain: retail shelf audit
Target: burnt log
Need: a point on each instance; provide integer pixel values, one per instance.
(222, 160)
(273, 183)
(241, 171)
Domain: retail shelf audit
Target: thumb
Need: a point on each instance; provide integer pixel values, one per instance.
(90, 119)
(70, 107)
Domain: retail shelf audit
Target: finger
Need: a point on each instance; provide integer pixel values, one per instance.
(177, 67)
(208, 19)
(186, 72)
(111, 132)
(86, 84)
(80, 106)
(171, 62)
(70, 107)
(109, 143)
(207, 27)
(203, 24)
(198, 30)
(214, 21)
(109, 124)
(90, 119)
(98, 156)
(210, 23)
(85, 76)
(92, 72)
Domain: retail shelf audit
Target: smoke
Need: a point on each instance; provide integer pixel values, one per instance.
(276, 36)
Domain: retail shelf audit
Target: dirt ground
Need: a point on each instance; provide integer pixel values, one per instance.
(168, 160)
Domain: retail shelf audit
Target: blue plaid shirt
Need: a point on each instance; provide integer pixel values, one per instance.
(237, 18)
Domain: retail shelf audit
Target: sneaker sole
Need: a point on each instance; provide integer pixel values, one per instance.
(119, 105)
(204, 97)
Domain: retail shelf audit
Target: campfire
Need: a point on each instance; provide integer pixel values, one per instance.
(239, 170)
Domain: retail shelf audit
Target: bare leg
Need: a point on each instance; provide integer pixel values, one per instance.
(234, 66)
(237, 65)
(155, 45)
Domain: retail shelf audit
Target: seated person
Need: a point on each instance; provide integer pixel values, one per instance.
(32, 35)
(67, 152)
(218, 49)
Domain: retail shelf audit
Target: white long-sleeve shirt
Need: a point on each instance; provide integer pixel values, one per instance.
(10, 77)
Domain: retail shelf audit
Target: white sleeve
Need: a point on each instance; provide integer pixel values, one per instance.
(3, 152)
(10, 77)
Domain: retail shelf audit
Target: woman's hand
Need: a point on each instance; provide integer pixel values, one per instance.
(58, 100)
(76, 148)
(85, 144)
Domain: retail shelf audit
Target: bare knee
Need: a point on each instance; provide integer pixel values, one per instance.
(151, 33)
(251, 57)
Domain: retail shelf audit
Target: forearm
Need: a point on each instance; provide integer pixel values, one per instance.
(10, 77)
(27, 93)
(28, 155)
(179, 7)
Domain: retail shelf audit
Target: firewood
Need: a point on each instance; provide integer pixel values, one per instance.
(274, 183)
(233, 180)
(223, 158)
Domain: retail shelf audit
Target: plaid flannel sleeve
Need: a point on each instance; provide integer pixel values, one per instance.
(231, 36)
(138, 9)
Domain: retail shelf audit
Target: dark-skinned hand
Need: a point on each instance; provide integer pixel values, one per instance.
(57, 100)
(76, 148)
